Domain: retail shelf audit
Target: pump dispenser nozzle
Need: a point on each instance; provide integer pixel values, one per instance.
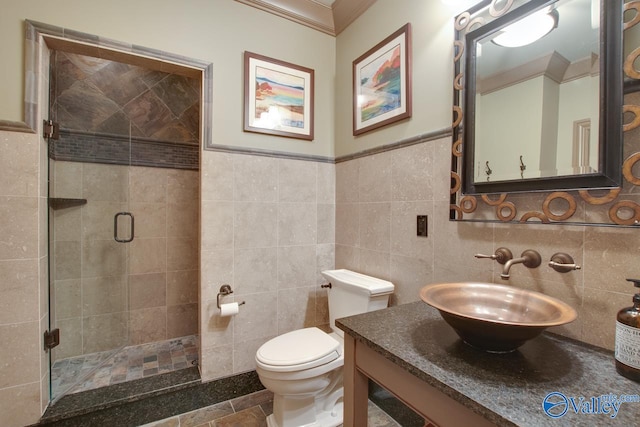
(628, 338)
(636, 283)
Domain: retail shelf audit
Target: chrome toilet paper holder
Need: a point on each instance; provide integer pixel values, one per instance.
(225, 290)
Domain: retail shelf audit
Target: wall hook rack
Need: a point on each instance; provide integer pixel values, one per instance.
(488, 170)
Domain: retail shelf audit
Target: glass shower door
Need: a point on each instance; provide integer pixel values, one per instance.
(89, 222)
(90, 268)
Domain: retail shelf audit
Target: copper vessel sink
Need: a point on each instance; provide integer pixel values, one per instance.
(496, 318)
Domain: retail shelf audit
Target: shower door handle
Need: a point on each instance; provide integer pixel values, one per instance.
(115, 227)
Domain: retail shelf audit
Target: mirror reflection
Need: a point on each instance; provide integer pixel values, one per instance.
(537, 95)
(592, 190)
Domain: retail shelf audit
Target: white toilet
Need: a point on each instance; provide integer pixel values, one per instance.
(303, 368)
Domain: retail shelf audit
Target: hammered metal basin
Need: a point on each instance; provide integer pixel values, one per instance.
(496, 318)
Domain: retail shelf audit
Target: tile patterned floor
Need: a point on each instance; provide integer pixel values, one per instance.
(249, 411)
(96, 370)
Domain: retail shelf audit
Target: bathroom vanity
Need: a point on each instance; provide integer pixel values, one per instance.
(414, 354)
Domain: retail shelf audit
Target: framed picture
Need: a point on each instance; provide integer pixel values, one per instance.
(382, 83)
(278, 97)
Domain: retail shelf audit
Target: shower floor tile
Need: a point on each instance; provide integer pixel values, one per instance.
(95, 370)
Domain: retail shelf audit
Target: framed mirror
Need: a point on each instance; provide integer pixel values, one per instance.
(539, 130)
(543, 98)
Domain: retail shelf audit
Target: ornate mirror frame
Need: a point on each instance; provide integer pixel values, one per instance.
(611, 207)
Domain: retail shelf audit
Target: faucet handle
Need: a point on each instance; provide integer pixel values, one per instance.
(563, 263)
(502, 255)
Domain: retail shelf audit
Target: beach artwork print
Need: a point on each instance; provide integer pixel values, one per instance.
(278, 97)
(382, 83)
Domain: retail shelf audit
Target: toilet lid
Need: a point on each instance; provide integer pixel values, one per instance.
(297, 350)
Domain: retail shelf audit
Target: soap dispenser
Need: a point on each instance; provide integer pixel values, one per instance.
(627, 352)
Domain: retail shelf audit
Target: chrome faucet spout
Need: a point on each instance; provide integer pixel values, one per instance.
(529, 258)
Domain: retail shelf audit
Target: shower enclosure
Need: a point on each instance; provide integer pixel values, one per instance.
(123, 221)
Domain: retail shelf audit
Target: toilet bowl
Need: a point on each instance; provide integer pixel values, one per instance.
(307, 381)
(303, 368)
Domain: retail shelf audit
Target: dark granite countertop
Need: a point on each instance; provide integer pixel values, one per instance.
(507, 389)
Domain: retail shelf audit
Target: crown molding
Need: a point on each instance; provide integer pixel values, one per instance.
(314, 14)
(347, 11)
(552, 65)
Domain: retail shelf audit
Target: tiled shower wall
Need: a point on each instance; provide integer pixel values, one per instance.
(379, 196)
(116, 113)
(97, 95)
(268, 231)
(109, 294)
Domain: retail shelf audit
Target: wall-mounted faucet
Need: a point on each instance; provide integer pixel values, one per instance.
(563, 263)
(529, 258)
(502, 255)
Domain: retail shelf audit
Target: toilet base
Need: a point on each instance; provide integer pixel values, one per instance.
(323, 419)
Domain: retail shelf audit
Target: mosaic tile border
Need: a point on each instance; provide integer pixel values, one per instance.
(89, 147)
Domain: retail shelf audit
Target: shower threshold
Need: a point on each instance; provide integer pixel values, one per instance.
(113, 399)
(88, 372)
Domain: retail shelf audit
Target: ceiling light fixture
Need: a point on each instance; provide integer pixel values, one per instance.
(528, 30)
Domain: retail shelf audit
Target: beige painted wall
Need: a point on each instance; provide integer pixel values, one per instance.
(216, 31)
(582, 97)
(432, 39)
(500, 115)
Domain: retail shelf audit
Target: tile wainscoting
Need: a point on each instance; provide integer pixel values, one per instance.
(267, 231)
(378, 197)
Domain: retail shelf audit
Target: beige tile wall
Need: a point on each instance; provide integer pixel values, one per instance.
(379, 196)
(23, 278)
(109, 294)
(268, 231)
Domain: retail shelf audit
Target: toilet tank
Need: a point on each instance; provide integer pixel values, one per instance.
(354, 293)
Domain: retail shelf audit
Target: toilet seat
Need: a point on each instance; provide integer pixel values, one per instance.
(298, 350)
